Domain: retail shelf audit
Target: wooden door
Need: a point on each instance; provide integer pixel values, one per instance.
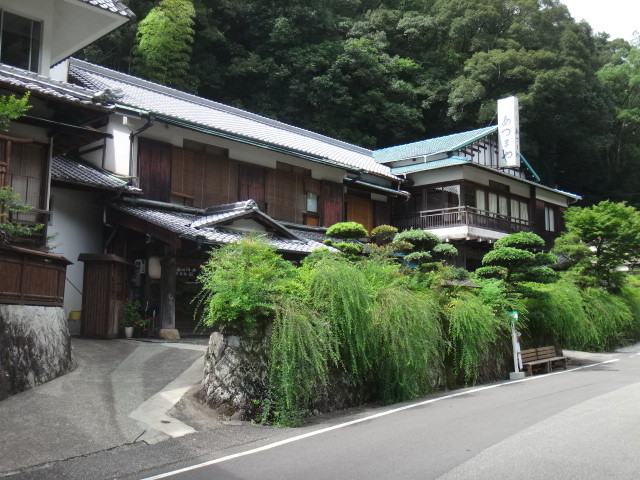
(360, 210)
(332, 203)
(251, 184)
(155, 169)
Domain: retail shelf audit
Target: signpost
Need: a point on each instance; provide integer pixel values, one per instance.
(517, 373)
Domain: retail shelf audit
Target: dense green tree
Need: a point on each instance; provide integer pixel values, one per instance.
(601, 238)
(381, 74)
(163, 44)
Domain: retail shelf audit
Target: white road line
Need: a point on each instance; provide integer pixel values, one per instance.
(365, 419)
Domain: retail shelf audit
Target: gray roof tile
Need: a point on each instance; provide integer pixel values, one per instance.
(182, 223)
(175, 104)
(44, 86)
(67, 169)
(113, 6)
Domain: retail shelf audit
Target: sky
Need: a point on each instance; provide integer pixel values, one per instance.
(619, 18)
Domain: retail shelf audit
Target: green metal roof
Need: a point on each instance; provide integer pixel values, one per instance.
(432, 146)
(422, 166)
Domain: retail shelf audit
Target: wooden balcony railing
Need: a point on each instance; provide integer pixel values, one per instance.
(461, 216)
(31, 277)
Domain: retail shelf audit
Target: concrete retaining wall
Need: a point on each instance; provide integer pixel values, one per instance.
(35, 347)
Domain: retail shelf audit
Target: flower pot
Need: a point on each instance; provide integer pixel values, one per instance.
(128, 332)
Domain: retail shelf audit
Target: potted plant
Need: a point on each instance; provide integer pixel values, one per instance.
(130, 316)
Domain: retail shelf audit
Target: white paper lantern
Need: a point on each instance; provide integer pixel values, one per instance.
(155, 269)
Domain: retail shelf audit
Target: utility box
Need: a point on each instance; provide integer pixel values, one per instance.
(104, 291)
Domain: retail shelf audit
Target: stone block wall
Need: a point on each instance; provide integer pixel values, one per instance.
(35, 347)
(236, 372)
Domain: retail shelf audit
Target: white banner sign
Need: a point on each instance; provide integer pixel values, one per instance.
(508, 132)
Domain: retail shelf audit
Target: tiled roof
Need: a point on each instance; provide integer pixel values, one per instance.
(174, 104)
(74, 170)
(422, 166)
(182, 223)
(432, 146)
(44, 86)
(113, 6)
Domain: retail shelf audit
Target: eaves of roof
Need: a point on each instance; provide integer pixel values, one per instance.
(390, 191)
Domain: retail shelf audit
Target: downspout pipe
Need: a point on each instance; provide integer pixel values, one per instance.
(151, 120)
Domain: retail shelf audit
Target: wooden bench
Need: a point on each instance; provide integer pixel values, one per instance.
(541, 359)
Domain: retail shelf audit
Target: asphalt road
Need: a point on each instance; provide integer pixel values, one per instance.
(582, 424)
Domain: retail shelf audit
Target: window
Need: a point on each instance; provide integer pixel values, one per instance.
(443, 197)
(20, 40)
(549, 219)
(519, 211)
(312, 202)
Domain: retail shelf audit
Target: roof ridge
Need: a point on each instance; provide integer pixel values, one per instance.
(487, 129)
(195, 99)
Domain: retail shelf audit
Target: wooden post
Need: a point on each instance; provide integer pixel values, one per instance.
(168, 292)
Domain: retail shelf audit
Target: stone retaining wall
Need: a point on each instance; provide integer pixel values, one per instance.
(35, 347)
(236, 372)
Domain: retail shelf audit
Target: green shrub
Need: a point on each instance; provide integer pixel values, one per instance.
(522, 241)
(349, 249)
(444, 251)
(544, 259)
(630, 293)
(508, 257)
(420, 239)
(610, 318)
(499, 273)
(419, 258)
(401, 247)
(347, 230)
(495, 293)
(383, 234)
(239, 282)
(557, 316)
(408, 340)
(473, 328)
(538, 274)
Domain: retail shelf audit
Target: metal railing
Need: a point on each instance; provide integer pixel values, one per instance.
(461, 216)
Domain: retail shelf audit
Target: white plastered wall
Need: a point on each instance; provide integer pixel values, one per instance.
(76, 224)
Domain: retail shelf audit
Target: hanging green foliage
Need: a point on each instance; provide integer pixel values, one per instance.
(406, 328)
(473, 329)
(301, 353)
(341, 294)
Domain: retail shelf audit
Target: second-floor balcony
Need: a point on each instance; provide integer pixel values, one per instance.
(463, 217)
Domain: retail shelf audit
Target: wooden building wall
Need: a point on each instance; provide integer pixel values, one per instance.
(201, 176)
